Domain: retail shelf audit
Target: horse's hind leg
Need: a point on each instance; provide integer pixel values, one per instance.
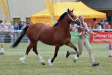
(23, 59)
(36, 52)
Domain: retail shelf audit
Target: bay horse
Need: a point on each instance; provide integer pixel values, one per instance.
(57, 35)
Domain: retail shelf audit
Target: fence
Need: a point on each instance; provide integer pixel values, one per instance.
(11, 36)
(103, 30)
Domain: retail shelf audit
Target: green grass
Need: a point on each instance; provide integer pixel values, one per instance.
(10, 64)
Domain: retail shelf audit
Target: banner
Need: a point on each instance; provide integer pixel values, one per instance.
(50, 8)
(5, 8)
(74, 37)
(101, 37)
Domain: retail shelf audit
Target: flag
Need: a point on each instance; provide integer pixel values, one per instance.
(50, 8)
(5, 8)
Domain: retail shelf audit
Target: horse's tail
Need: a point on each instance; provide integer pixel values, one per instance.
(20, 37)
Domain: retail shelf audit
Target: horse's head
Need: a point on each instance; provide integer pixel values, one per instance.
(72, 17)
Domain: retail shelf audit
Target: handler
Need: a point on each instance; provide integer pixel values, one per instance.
(83, 41)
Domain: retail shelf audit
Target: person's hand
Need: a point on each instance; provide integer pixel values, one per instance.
(94, 34)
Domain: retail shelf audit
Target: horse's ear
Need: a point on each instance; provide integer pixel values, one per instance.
(73, 10)
(68, 10)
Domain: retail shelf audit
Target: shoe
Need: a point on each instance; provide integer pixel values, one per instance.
(67, 54)
(95, 64)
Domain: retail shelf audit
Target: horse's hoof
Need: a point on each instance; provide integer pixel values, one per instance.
(51, 64)
(22, 59)
(75, 60)
(43, 63)
(22, 63)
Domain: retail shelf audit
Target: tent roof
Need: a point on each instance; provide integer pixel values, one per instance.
(79, 9)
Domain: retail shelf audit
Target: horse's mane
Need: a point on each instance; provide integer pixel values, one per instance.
(61, 17)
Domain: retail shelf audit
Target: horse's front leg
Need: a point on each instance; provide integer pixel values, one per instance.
(50, 61)
(70, 44)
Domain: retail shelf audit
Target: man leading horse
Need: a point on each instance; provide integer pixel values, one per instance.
(83, 41)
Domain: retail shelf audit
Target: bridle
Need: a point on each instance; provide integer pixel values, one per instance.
(72, 18)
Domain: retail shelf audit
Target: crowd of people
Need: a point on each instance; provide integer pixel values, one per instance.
(103, 24)
(100, 25)
(16, 26)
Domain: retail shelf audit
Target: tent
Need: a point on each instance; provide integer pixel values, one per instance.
(61, 7)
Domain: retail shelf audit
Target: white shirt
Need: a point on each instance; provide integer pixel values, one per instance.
(86, 26)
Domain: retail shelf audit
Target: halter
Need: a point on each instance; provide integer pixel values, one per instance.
(72, 18)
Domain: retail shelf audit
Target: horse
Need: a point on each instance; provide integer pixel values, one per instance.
(57, 35)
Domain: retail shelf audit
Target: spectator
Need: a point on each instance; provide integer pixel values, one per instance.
(97, 26)
(20, 25)
(0, 21)
(101, 23)
(24, 24)
(71, 27)
(105, 22)
(107, 26)
(2, 27)
(10, 27)
(89, 26)
(16, 26)
(6, 26)
(28, 23)
(93, 22)
(75, 27)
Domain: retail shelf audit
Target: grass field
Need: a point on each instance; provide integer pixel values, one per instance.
(10, 64)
